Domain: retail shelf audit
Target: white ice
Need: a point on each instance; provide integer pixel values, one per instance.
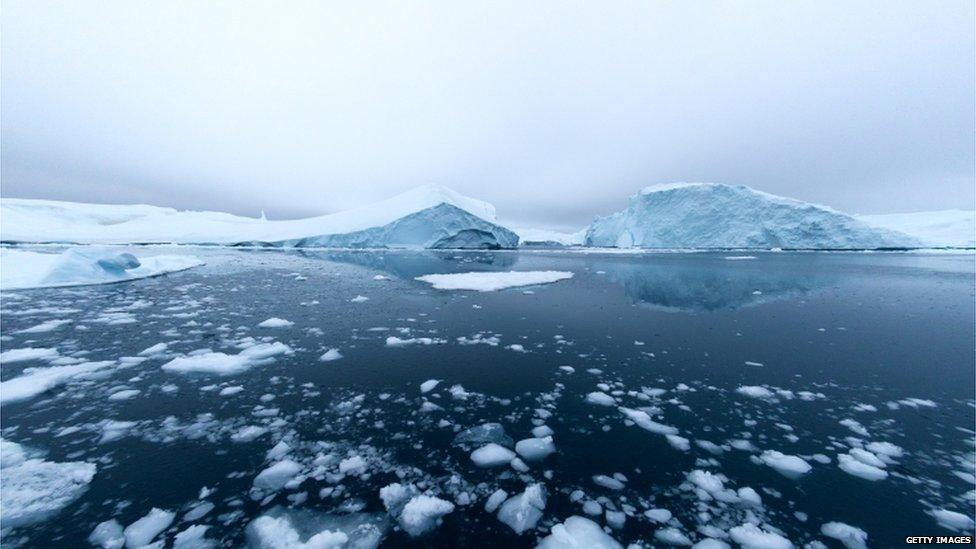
(33, 490)
(492, 281)
(224, 364)
(83, 266)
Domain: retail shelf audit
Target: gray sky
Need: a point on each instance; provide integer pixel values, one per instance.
(553, 111)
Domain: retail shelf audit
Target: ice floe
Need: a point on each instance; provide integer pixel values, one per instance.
(492, 281)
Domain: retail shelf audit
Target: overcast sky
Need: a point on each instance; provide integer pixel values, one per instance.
(553, 111)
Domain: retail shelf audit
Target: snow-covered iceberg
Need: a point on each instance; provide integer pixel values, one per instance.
(547, 238)
(713, 215)
(945, 228)
(20, 269)
(425, 217)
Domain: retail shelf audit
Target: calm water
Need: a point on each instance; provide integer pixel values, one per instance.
(838, 336)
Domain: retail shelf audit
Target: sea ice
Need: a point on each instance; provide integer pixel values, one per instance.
(422, 514)
(578, 532)
(275, 322)
(787, 465)
(83, 266)
(141, 532)
(535, 449)
(852, 466)
(492, 455)
(750, 536)
(492, 281)
(33, 490)
(851, 537)
(35, 381)
(223, 364)
(276, 476)
(521, 512)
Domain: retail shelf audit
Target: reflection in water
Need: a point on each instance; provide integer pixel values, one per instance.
(408, 264)
(707, 285)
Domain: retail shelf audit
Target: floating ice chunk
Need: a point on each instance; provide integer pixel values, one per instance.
(751, 363)
(33, 490)
(672, 536)
(28, 353)
(521, 512)
(125, 394)
(276, 476)
(394, 341)
(535, 449)
(45, 326)
(750, 536)
(396, 495)
(232, 390)
(578, 532)
(141, 532)
(616, 519)
(107, 535)
(867, 458)
(275, 322)
(886, 449)
(198, 511)
(852, 466)
(678, 442)
(359, 299)
(492, 455)
(154, 350)
(787, 465)
(114, 430)
(35, 381)
(855, 426)
(193, 538)
(492, 281)
(422, 514)
(248, 433)
(850, 536)
(644, 421)
(429, 385)
(279, 451)
(83, 266)
(951, 520)
(658, 515)
(749, 496)
(330, 355)
(223, 364)
(711, 543)
(485, 433)
(278, 532)
(354, 465)
(600, 398)
(755, 391)
(495, 499)
(609, 483)
(542, 431)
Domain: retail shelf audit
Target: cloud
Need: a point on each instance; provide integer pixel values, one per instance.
(554, 111)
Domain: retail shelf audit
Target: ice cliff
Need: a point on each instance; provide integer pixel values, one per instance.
(712, 215)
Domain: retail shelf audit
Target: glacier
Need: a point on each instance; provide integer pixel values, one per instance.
(716, 215)
(430, 216)
(944, 228)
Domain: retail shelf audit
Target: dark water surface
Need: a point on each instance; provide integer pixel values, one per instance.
(839, 337)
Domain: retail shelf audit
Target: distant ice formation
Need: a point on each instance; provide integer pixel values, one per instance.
(425, 217)
(712, 215)
(950, 228)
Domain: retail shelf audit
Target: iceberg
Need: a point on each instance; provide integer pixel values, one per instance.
(83, 266)
(430, 216)
(945, 228)
(546, 238)
(714, 215)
